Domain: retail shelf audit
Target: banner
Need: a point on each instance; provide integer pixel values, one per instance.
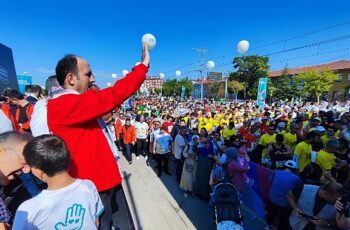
(183, 91)
(23, 80)
(262, 88)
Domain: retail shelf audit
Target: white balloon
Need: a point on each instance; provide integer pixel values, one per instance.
(178, 73)
(125, 72)
(150, 40)
(137, 63)
(243, 46)
(114, 75)
(162, 75)
(210, 65)
(109, 84)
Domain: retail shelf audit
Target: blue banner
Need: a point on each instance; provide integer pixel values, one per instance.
(23, 80)
(183, 91)
(262, 88)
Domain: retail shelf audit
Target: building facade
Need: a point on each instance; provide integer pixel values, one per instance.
(152, 83)
(341, 87)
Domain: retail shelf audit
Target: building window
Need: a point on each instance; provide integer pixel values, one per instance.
(340, 76)
(348, 76)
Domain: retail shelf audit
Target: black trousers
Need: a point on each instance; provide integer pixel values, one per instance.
(141, 147)
(162, 163)
(179, 166)
(280, 213)
(108, 198)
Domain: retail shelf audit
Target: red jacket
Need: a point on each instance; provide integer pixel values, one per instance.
(73, 117)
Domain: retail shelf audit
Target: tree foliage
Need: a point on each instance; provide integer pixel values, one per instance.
(236, 86)
(248, 70)
(173, 87)
(314, 83)
(216, 89)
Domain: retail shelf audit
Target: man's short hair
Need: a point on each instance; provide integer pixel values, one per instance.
(35, 89)
(68, 64)
(51, 85)
(14, 93)
(333, 187)
(48, 153)
(15, 137)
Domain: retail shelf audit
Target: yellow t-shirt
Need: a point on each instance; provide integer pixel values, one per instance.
(303, 151)
(325, 159)
(227, 133)
(226, 121)
(290, 139)
(267, 139)
(324, 139)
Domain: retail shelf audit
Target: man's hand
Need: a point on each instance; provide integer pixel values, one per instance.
(145, 55)
(339, 205)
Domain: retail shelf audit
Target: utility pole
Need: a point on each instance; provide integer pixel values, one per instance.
(202, 52)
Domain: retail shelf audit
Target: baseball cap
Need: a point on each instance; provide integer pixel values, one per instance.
(320, 129)
(291, 164)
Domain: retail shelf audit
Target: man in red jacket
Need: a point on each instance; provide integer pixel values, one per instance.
(73, 115)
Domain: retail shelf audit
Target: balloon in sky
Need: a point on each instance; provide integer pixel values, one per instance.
(125, 72)
(210, 65)
(150, 40)
(178, 73)
(109, 84)
(114, 75)
(243, 46)
(161, 75)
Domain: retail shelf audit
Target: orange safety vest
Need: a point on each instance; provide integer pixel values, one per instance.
(6, 109)
(29, 111)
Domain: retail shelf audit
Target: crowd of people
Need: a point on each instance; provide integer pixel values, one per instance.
(305, 144)
(67, 144)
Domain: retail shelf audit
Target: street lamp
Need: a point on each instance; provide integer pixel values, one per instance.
(161, 76)
(226, 77)
(210, 65)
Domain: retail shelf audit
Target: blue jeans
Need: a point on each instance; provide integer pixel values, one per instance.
(128, 149)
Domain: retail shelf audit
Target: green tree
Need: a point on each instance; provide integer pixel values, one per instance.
(216, 89)
(174, 87)
(236, 86)
(248, 70)
(316, 82)
(271, 89)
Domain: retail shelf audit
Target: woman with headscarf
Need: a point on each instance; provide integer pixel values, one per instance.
(237, 170)
(189, 169)
(204, 167)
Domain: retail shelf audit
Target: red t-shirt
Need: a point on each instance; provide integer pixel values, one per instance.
(168, 126)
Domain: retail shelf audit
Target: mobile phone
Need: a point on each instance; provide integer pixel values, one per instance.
(307, 216)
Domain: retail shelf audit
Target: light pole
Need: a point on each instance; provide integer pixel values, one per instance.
(202, 68)
(226, 77)
(161, 76)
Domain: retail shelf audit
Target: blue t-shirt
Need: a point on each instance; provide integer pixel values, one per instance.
(162, 146)
(283, 182)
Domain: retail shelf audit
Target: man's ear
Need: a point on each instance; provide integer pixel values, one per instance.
(38, 173)
(70, 79)
(26, 169)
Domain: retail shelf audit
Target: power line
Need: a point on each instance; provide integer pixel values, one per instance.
(277, 42)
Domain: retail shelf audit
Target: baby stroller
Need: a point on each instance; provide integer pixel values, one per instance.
(226, 202)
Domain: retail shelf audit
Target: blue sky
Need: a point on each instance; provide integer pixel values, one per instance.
(108, 33)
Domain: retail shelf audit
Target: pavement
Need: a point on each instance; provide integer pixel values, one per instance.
(151, 202)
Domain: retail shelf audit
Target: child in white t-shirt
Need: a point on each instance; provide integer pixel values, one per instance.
(67, 203)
